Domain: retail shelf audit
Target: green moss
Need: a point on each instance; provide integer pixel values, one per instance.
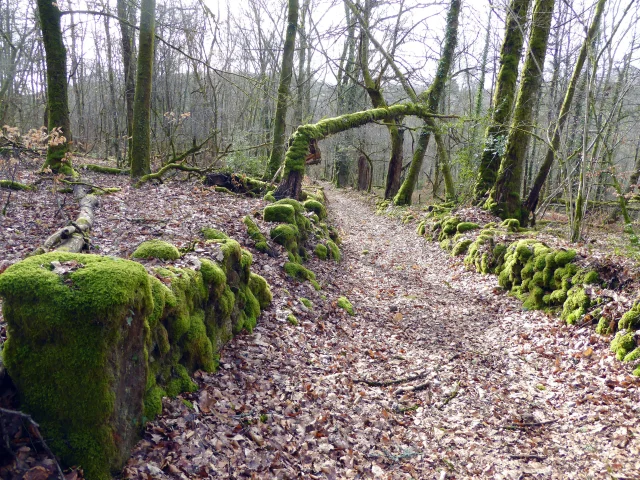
(306, 302)
(564, 256)
(291, 318)
(466, 226)
(603, 327)
(213, 275)
(576, 305)
(449, 227)
(297, 271)
(153, 402)
(197, 348)
(260, 241)
(511, 224)
(65, 325)
(296, 205)
(213, 234)
(585, 277)
(622, 344)
(269, 197)
(334, 251)
(422, 226)
(260, 289)
(345, 304)
(180, 382)
(279, 213)
(632, 356)
(321, 251)
(558, 297)
(156, 249)
(461, 247)
(631, 319)
(535, 299)
(316, 207)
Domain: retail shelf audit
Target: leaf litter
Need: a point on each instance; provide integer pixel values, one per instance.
(438, 374)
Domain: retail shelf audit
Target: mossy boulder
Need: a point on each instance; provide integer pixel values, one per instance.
(291, 318)
(623, 344)
(321, 251)
(279, 212)
(511, 224)
(77, 331)
(316, 207)
(466, 226)
(631, 319)
(260, 241)
(345, 304)
(213, 234)
(576, 305)
(461, 247)
(334, 251)
(156, 249)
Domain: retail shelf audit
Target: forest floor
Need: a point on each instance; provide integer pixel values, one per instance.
(438, 374)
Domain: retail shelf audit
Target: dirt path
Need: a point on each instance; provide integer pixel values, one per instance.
(498, 392)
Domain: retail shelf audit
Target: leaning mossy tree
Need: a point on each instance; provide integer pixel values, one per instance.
(504, 199)
(294, 165)
(141, 140)
(431, 98)
(279, 122)
(503, 98)
(59, 126)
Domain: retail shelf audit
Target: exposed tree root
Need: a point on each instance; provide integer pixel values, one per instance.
(102, 169)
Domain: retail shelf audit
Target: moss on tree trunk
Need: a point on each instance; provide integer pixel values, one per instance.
(504, 198)
(57, 101)
(505, 92)
(279, 122)
(141, 140)
(431, 97)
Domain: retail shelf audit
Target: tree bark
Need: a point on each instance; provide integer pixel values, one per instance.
(504, 198)
(534, 195)
(503, 98)
(57, 100)
(431, 98)
(141, 138)
(279, 122)
(128, 62)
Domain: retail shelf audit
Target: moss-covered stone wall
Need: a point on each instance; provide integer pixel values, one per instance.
(544, 278)
(94, 343)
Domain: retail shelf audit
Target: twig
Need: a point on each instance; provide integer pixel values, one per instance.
(386, 383)
(528, 457)
(413, 388)
(451, 396)
(527, 425)
(36, 429)
(68, 182)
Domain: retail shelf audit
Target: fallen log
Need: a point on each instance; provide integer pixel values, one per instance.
(236, 183)
(73, 237)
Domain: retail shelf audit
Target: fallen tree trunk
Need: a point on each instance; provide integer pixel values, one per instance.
(73, 237)
(236, 183)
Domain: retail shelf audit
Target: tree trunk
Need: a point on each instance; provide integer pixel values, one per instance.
(128, 62)
(141, 140)
(504, 95)
(112, 95)
(504, 199)
(279, 122)
(303, 83)
(534, 195)
(431, 97)
(364, 173)
(57, 101)
(300, 140)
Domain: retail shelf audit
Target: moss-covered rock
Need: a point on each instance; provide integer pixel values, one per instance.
(297, 271)
(604, 326)
(279, 212)
(334, 251)
(461, 247)
(269, 197)
(576, 305)
(260, 241)
(622, 344)
(316, 207)
(345, 304)
(466, 226)
(511, 224)
(321, 251)
(631, 319)
(632, 356)
(213, 234)
(96, 342)
(76, 336)
(156, 249)
(291, 318)
(306, 302)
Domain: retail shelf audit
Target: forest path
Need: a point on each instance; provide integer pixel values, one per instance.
(501, 393)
